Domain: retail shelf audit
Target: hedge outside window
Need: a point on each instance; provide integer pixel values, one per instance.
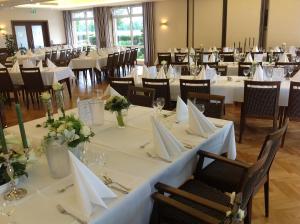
(84, 28)
(128, 28)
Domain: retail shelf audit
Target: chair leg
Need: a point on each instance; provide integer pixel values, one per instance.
(266, 192)
(249, 212)
(242, 128)
(27, 100)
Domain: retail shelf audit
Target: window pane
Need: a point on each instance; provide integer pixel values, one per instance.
(137, 10)
(80, 32)
(89, 14)
(21, 36)
(91, 26)
(120, 11)
(141, 53)
(38, 38)
(137, 23)
(78, 15)
(123, 23)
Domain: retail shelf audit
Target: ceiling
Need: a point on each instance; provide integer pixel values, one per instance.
(64, 4)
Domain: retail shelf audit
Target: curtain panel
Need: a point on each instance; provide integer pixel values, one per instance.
(103, 26)
(67, 15)
(148, 33)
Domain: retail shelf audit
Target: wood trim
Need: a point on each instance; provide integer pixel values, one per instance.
(187, 22)
(264, 8)
(193, 25)
(224, 23)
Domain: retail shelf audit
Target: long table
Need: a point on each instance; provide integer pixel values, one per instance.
(126, 162)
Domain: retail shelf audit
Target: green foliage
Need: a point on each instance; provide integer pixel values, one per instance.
(116, 103)
(11, 44)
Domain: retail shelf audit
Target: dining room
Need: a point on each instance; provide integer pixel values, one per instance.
(149, 111)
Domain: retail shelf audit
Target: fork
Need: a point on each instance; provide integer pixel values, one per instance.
(65, 212)
(110, 181)
(62, 190)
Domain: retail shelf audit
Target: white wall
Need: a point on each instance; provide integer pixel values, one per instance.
(243, 18)
(54, 17)
(174, 34)
(208, 23)
(284, 23)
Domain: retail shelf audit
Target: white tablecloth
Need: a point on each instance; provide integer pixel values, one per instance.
(88, 62)
(126, 163)
(49, 75)
(34, 58)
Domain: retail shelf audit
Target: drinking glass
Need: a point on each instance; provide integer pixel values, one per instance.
(246, 72)
(269, 72)
(201, 107)
(160, 103)
(290, 70)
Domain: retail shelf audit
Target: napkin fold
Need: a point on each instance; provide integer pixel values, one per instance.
(283, 58)
(40, 65)
(296, 77)
(161, 74)
(29, 52)
(259, 74)
(276, 49)
(202, 74)
(90, 190)
(16, 67)
(28, 64)
(2, 66)
(210, 73)
(192, 51)
(255, 49)
(133, 73)
(146, 73)
(212, 58)
(50, 64)
(166, 146)
(248, 58)
(182, 112)
(109, 91)
(171, 72)
(198, 123)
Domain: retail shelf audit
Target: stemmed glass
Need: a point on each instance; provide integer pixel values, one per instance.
(246, 72)
(290, 70)
(201, 107)
(160, 103)
(269, 73)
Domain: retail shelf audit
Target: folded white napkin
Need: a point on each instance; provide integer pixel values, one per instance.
(212, 58)
(28, 64)
(161, 74)
(133, 73)
(198, 123)
(296, 77)
(16, 67)
(29, 52)
(18, 54)
(283, 58)
(259, 74)
(109, 91)
(171, 72)
(192, 51)
(40, 65)
(249, 58)
(205, 58)
(182, 113)
(2, 66)
(258, 57)
(202, 74)
(50, 64)
(276, 49)
(146, 73)
(255, 49)
(166, 146)
(210, 73)
(225, 49)
(292, 50)
(215, 48)
(90, 190)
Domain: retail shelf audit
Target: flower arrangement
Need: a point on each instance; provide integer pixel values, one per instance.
(46, 99)
(117, 104)
(163, 62)
(69, 130)
(17, 157)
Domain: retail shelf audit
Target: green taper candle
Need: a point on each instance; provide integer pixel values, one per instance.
(21, 126)
(2, 139)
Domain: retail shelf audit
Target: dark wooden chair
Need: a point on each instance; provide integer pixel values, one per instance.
(121, 85)
(164, 56)
(198, 86)
(162, 89)
(2, 115)
(198, 203)
(210, 64)
(126, 62)
(62, 61)
(180, 57)
(131, 63)
(3, 57)
(226, 176)
(141, 96)
(33, 84)
(54, 56)
(108, 70)
(7, 86)
(227, 56)
(214, 104)
(260, 101)
(243, 66)
(115, 63)
(120, 63)
(200, 55)
(257, 55)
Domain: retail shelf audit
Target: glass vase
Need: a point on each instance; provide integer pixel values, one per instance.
(59, 96)
(120, 118)
(48, 110)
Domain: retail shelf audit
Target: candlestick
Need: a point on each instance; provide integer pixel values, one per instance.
(239, 44)
(2, 139)
(234, 45)
(245, 45)
(21, 126)
(249, 41)
(253, 41)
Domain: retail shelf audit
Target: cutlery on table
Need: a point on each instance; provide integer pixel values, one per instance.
(62, 190)
(65, 212)
(158, 158)
(108, 180)
(144, 145)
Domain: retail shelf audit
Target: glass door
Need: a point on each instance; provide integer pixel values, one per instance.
(21, 36)
(38, 37)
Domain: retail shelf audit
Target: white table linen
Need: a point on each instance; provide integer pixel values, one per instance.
(88, 62)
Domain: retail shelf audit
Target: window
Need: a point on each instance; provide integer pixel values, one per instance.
(128, 28)
(84, 28)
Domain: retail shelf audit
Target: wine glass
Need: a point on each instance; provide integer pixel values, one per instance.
(290, 70)
(246, 72)
(160, 101)
(201, 108)
(155, 106)
(269, 72)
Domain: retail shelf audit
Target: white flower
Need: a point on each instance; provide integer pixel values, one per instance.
(45, 96)
(70, 136)
(85, 131)
(57, 86)
(61, 128)
(163, 62)
(241, 214)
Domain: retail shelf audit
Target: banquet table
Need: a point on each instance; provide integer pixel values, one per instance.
(233, 90)
(233, 67)
(49, 76)
(88, 62)
(126, 162)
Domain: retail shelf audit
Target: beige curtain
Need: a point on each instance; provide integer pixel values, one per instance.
(103, 26)
(67, 15)
(148, 33)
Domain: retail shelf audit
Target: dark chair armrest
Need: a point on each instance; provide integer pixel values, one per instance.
(205, 154)
(163, 188)
(185, 209)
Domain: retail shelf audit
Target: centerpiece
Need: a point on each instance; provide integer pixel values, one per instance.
(59, 96)
(118, 105)
(65, 133)
(46, 99)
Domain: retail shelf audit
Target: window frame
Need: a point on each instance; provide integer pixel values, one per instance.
(86, 18)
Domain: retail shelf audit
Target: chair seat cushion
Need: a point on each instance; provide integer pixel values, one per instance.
(223, 176)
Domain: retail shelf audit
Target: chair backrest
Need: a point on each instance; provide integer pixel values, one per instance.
(79, 50)
(6, 83)
(227, 56)
(3, 57)
(32, 79)
(214, 104)
(121, 58)
(121, 85)
(63, 55)
(54, 56)
(127, 57)
(222, 69)
(261, 99)
(116, 59)
(198, 86)
(293, 109)
(243, 66)
(164, 56)
(210, 64)
(135, 54)
(179, 57)
(161, 86)
(47, 55)
(141, 96)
